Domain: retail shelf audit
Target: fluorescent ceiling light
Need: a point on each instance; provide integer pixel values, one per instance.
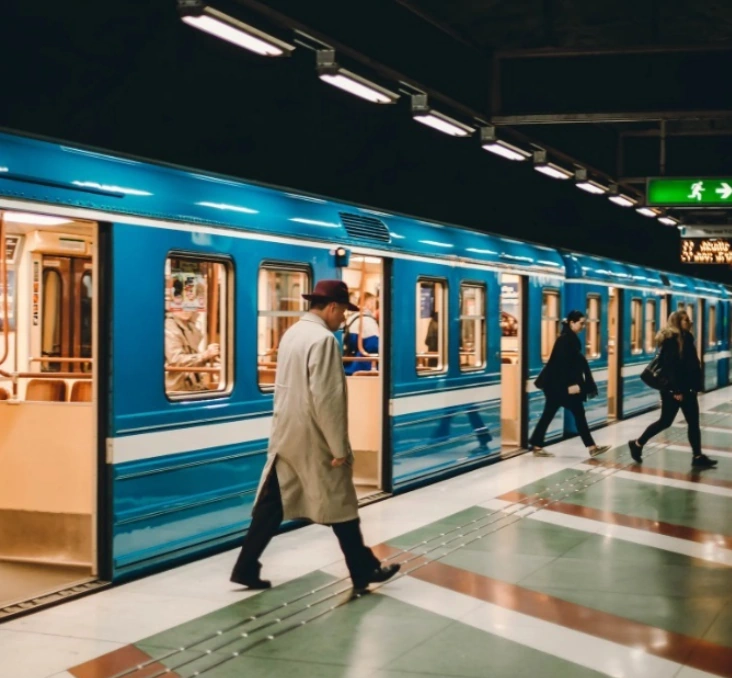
(490, 142)
(421, 112)
(668, 221)
(622, 200)
(230, 208)
(329, 71)
(110, 188)
(647, 211)
(591, 187)
(553, 171)
(232, 30)
(35, 219)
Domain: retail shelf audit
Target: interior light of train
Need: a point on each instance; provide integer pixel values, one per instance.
(490, 142)
(211, 21)
(549, 168)
(647, 211)
(35, 219)
(329, 71)
(230, 208)
(111, 189)
(668, 221)
(421, 112)
(368, 260)
(315, 222)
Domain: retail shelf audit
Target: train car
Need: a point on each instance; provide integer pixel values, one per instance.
(141, 313)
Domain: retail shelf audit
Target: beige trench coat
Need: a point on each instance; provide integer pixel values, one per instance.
(310, 426)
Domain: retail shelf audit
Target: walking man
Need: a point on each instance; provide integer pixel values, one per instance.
(309, 470)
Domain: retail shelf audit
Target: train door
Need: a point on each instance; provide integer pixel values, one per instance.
(48, 437)
(613, 353)
(364, 347)
(511, 361)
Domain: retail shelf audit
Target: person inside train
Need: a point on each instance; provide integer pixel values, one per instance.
(309, 469)
(680, 377)
(182, 347)
(364, 325)
(567, 382)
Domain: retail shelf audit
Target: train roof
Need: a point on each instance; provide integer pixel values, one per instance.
(607, 271)
(52, 172)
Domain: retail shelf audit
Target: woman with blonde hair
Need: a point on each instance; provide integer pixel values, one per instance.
(680, 379)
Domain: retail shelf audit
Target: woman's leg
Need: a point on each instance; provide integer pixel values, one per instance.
(551, 405)
(690, 408)
(575, 406)
(669, 410)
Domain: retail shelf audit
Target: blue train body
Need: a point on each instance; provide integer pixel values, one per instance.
(178, 478)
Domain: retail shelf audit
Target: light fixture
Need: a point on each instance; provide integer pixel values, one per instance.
(329, 71)
(490, 142)
(195, 13)
(668, 221)
(35, 219)
(549, 168)
(421, 112)
(585, 184)
(647, 211)
(614, 195)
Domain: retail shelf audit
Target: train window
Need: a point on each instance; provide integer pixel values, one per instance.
(549, 321)
(280, 305)
(51, 328)
(636, 325)
(592, 348)
(650, 331)
(431, 347)
(198, 324)
(472, 326)
(712, 324)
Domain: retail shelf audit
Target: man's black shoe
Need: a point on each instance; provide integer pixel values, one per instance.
(702, 461)
(254, 583)
(636, 451)
(378, 575)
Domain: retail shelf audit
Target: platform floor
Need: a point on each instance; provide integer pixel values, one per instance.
(565, 567)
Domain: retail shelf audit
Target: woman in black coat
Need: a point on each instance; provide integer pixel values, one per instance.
(567, 382)
(680, 378)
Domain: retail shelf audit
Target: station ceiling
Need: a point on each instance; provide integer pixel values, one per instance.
(598, 81)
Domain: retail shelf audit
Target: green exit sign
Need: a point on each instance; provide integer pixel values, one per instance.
(699, 191)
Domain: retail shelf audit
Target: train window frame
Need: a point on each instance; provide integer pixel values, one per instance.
(226, 332)
(636, 326)
(276, 266)
(650, 326)
(442, 330)
(593, 343)
(481, 317)
(550, 291)
(712, 332)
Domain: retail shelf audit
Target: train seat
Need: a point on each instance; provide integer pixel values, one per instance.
(50, 390)
(81, 392)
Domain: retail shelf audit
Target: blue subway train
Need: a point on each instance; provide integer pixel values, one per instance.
(142, 310)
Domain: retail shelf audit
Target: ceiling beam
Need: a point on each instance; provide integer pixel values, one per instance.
(568, 52)
(614, 117)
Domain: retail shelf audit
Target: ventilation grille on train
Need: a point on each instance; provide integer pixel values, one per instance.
(367, 228)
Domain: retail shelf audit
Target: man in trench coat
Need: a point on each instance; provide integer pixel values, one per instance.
(309, 469)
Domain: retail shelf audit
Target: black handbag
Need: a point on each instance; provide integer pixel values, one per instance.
(651, 376)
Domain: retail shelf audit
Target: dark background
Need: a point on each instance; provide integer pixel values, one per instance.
(132, 78)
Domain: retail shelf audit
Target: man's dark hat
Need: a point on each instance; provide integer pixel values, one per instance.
(331, 290)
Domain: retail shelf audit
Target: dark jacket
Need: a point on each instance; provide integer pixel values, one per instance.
(680, 369)
(566, 367)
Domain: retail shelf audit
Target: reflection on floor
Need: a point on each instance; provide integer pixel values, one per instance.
(565, 566)
(20, 581)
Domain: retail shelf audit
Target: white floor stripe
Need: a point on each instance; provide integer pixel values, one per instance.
(579, 648)
(709, 552)
(716, 429)
(666, 482)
